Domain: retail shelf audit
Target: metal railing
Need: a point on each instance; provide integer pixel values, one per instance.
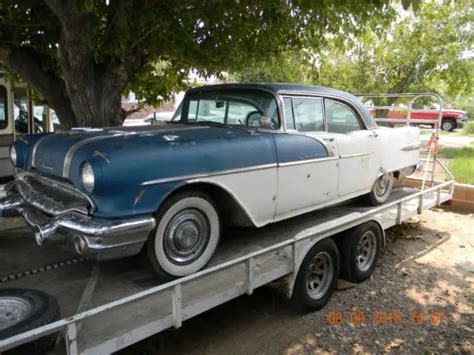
(69, 326)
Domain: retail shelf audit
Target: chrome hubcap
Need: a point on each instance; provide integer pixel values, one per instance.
(366, 250)
(12, 311)
(447, 125)
(382, 184)
(319, 275)
(186, 236)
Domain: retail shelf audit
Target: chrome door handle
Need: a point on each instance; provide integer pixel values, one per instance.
(328, 139)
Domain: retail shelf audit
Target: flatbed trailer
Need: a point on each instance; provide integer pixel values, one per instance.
(110, 305)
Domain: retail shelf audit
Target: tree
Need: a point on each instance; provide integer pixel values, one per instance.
(82, 55)
(426, 50)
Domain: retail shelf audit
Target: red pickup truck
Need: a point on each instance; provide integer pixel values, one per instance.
(451, 120)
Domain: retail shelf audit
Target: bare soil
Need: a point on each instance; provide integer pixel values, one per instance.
(419, 300)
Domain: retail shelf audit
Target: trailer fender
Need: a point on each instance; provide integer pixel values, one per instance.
(302, 247)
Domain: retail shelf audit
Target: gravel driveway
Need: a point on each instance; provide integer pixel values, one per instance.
(419, 300)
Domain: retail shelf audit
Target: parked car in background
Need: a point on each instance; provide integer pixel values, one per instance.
(234, 154)
(451, 119)
(150, 119)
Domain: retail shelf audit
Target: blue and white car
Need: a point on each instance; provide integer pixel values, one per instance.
(233, 154)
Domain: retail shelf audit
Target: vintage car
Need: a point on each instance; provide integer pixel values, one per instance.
(233, 154)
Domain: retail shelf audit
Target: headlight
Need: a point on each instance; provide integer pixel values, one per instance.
(13, 156)
(88, 178)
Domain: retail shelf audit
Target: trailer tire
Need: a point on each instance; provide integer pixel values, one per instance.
(27, 309)
(186, 236)
(312, 290)
(360, 250)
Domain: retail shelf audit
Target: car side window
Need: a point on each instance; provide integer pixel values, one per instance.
(308, 114)
(3, 107)
(290, 121)
(341, 119)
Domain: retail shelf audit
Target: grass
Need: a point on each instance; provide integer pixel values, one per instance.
(468, 128)
(461, 162)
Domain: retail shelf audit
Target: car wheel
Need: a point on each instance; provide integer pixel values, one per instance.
(317, 276)
(448, 124)
(381, 189)
(25, 309)
(186, 237)
(360, 249)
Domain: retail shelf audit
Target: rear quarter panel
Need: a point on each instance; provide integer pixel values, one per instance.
(400, 147)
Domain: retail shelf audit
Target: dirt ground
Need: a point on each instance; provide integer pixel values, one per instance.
(419, 300)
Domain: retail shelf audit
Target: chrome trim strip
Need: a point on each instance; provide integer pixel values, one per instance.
(355, 155)
(204, 175)
(414, 146)
(307, 161)
(33, 153)
(75, 147)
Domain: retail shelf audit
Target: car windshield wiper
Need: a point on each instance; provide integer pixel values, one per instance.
(209, 123)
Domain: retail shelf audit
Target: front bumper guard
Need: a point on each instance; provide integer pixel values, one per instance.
(91, 237)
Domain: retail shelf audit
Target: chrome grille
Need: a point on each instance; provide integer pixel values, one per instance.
(51, 196)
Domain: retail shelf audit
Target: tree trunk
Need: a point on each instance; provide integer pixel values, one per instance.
(25, 63)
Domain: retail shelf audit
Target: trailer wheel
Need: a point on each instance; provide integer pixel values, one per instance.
(186, 237)
(360, 249)
(25, 309)
(317, 276)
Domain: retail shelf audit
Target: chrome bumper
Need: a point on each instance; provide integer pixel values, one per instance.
(90, 237)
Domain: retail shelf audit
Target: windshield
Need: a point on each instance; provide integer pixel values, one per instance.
(247, 108)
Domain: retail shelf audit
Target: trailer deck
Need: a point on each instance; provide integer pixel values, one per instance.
(110, 305)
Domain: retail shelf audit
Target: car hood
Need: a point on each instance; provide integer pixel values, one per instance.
(60, 154)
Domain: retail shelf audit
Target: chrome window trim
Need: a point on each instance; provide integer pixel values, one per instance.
(208, 174)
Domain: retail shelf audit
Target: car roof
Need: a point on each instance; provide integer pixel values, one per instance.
(276, 88)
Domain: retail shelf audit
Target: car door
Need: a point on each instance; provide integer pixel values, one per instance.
(307, 164)
(359, 148)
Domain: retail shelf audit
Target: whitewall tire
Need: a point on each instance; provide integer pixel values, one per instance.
(381, 189)
(186, 237)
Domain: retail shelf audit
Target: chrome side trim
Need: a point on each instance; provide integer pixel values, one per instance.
(356, 155)
(75, 147)
(33, 153)
(307, 161)
(204, 175)
(414, 146)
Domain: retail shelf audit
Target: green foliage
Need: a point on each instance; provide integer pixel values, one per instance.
(461, 163)
(465, 104)
(419, 52)
(468, 129)
(76, 51)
